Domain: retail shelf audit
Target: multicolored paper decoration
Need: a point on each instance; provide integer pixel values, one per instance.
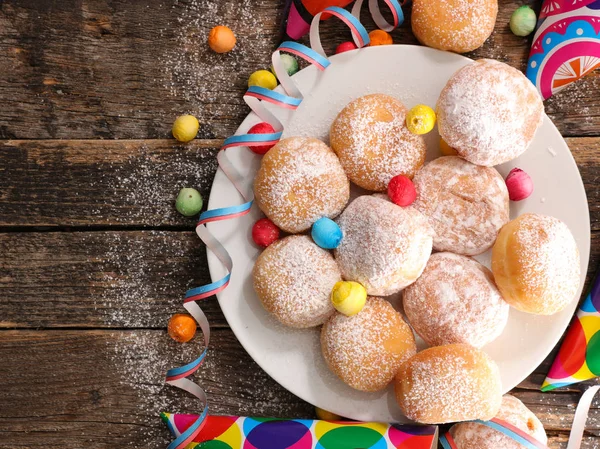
(254, 97)
(579, 355)
(566, 45)
(234, 432)
(506, 428)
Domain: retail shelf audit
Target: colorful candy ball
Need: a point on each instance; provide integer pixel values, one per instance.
(345, 46)
(326, 233)
(262, 78)
(189, 202)
(326, 416)
(523, 21)
(264, 232)
(182, 328)
(380, 37)
(290, 64)
(261, 128)
(446, 149)
(348, 297)
(221, 39)
(420, 119)
(519, 185)
(401, 191)
(185, 128)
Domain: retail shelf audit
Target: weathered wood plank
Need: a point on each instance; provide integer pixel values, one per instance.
(106, 389)
(120, 69)
(109, 279)
(134, 183)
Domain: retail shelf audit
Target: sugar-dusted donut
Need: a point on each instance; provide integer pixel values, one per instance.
(385, 247)
(513, 411)
(293, 279)
(489, 112)
(299, 181)
(536, 265)
(454, 25)
(455, 300)
(447, 384)
(466, 204)
(371, 139)
(366, 350)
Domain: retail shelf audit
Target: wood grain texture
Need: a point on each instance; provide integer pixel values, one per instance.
(134, 183)
(89, 69)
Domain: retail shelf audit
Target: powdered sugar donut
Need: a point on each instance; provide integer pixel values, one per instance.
(385, 247)
(448, 384)
(466, 204)
(489, 112)
(513, 411)
(536, 265)
(455, 300)
(454, 25)
(299, 181)
(293, 278)
(371, 139)
(366, 350)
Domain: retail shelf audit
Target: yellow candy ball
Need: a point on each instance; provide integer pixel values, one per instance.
(348, 297)
(263, 78)
(420, 119)
(446, 149)
(326, 416)
(185, 128)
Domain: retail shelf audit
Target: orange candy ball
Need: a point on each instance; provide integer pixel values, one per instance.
(182, 328)
(446, 149)
(380, 37)
(221, 39)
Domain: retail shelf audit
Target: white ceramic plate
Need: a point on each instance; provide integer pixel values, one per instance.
(414, 75)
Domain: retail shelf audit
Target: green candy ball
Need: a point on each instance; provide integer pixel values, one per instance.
(189, 202)
(289, 63)
(522, 21)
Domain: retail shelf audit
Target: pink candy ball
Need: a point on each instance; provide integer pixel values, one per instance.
(519, 185)
(264, 232)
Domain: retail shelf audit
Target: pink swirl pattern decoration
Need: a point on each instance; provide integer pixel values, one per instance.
(254, 97)
(566, 45)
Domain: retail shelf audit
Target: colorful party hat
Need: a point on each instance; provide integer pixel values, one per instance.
(566, 45)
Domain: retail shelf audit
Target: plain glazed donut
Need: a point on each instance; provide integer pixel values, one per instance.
(293, 279)
(453, 25)
(366, 350)
(536, 265)
(455, 300)
(513, 411)
(489, 112)
(371, 139)
(466, 204)
(384, 247)
(448, 384)
(299, 181)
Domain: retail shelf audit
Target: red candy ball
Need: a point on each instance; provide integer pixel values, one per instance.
(401, 191)
(345, 46)
(261, 128)
(264, 232)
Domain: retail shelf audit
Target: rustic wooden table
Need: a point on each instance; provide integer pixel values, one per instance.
(93, 257)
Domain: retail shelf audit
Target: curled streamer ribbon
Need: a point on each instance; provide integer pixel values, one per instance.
(526, 440)
(254, 97)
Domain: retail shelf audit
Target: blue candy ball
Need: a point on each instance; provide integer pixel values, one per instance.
(326, 233)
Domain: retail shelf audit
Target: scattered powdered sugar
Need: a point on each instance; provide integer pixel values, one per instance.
(299, 181)
(455, 300)
(385, 248)
(450, 383)
(512, 411)
(466, 204)
(371, 139)
(367, 349)
(489, 112)
(294, 278)
(548, 260)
